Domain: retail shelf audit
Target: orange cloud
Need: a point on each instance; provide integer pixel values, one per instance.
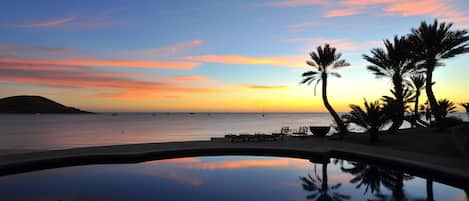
(48, 23)
(108, 84)
(102, 62)
(172, 49)
(293, 61)
(420, 7)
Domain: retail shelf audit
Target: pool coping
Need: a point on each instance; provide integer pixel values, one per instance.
(451, 171)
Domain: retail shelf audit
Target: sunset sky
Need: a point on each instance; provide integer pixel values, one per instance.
(213, 56)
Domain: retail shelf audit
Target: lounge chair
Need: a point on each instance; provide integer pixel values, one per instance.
(302, 131)
(283, 132)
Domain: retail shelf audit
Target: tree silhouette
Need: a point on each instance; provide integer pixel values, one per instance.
(319, 188)
(418, 82)
(371, 177)
(445, 107)
(324, 60)
(433, 43)
(373, 118)
(395, 62)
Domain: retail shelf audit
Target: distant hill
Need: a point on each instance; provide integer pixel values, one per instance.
(34, 105)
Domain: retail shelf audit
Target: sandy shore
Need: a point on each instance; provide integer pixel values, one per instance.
(423, 152)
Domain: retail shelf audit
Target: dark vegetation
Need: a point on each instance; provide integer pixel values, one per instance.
(408, 62)
(34, 105)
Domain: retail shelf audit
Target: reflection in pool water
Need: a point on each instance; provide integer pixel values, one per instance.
(225, 178)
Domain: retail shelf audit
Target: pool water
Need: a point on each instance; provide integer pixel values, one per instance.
(225, 178)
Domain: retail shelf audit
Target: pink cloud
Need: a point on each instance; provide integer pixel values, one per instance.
(109, 84)
(343, 12)
(264, 87)
(421, 7)
(47, 23)
(103, 62)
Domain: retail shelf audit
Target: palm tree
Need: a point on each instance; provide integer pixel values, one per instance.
(418, 82)
(324, 60)
(433, 43)
(445, 107)
(372, 177)
(395, 62)
(466, 106)
(373, 118)
(365, 175)
(320, 188)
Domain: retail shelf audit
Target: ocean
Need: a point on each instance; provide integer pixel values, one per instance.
(67, 131)
(53, 131)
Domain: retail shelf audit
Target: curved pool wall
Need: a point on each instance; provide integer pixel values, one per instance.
(20, 163)
(226, 178)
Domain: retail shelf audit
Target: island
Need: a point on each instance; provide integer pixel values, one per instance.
(35, 105)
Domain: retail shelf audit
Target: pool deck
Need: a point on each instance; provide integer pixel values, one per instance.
(449, 170)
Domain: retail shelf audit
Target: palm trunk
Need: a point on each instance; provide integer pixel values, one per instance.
(429, 190)
(340, 123)
(373, 135)
(325, 185)
(429, 90)
(416, 108)
(397, 116)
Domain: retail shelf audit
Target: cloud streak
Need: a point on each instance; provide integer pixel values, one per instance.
(264, 87)
(172, 49)
(93, 62)
(108, 84)
(433, 8)
(47, 23)
(289, 61)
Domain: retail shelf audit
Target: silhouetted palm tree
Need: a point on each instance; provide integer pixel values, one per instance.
(433, 43)
(466, 106)
(395, 62)
(393, 106)
(365, 175)
(394, 181)
(372, 177)
(320, 188)
(418, 82)
(373, 118)
(446, 106)
(324, 60)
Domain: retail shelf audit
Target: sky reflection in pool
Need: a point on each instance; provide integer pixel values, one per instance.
(222, 178)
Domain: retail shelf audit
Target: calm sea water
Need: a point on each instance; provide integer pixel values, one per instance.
(224, 178)
(66, 131)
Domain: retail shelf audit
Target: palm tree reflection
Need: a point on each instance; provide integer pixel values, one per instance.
(319, 187)
(372, 177)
